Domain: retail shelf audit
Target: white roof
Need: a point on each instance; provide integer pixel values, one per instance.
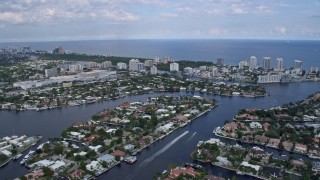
(106, 158)
(57, 165)
(256, 167)
(44, 163)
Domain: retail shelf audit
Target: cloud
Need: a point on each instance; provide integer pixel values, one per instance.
(169, 15)
(10, 17)
(218, 31)
(53, 12)
(281, 29)
(239, 9)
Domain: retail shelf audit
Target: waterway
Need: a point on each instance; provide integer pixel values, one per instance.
(174, 149)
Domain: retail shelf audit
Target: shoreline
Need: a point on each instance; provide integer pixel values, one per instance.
(19, 152)
(254, 143)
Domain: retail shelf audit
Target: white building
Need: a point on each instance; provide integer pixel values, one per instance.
(51, 72)
(174, 67)
(92, 64)
(121, 65)
(106, 64)
(279, 64)
(188, 70)
(140, 66)
(297, 64)
(156, 60)
(266, 63)
(215, 71)
(75, 68)
(133, 65)
(153, 70)
(148, 63)
(165, 60)
(269, 79)
(253, 62)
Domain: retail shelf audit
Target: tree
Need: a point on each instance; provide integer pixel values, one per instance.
(58, 149)
(47, 171)
(117, 158)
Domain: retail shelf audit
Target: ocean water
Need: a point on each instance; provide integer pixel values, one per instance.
(233, 51)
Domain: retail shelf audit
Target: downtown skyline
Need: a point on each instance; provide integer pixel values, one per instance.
(48, 20)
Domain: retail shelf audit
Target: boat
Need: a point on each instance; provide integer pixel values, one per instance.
(216, 129)
(194, 133)
(27, 157)
(17, 156)
(240, 173)
(196, 166)
(130, 159)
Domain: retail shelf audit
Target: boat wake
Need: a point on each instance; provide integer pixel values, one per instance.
(165, 148)
(189, 139)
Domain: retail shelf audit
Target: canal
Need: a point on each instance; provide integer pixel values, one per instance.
(174, 149)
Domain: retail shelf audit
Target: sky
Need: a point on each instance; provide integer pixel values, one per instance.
(51, 20)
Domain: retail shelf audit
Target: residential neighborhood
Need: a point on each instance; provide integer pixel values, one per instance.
(90, 148)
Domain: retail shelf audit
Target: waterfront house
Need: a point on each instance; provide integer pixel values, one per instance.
(316, 168)
(108, 158)
(298, 164)
(118, 153)
(230, 127)
(255, 167)
(261, 139)
(300, 148)
(314, 150)
(179, 118)
(273, 142)
(176, 172)
(255, 125)
(77, 174)
(287, 145)
(223, 161)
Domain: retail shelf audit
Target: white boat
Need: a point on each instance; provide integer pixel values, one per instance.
(130, 159)
(17, 156)
(27, 157)
(216, 129)
(194, 133)
(240, 173)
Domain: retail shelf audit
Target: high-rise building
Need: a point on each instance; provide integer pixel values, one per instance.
(121, 65)
(58, 50)
(314, 69)
(133, 65)
(297, 64)
(165, 60)
(106, 64)
(266, 63)
(215, 71)
(279, 63)
(188, 70)
(91, 65)
(174, 67)
(140, 66)
(75, 68)
(253, 62)
(148, 63)
(220, 61)
(243, 64)
(153, 70)
(156, 60)
(53, 72)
